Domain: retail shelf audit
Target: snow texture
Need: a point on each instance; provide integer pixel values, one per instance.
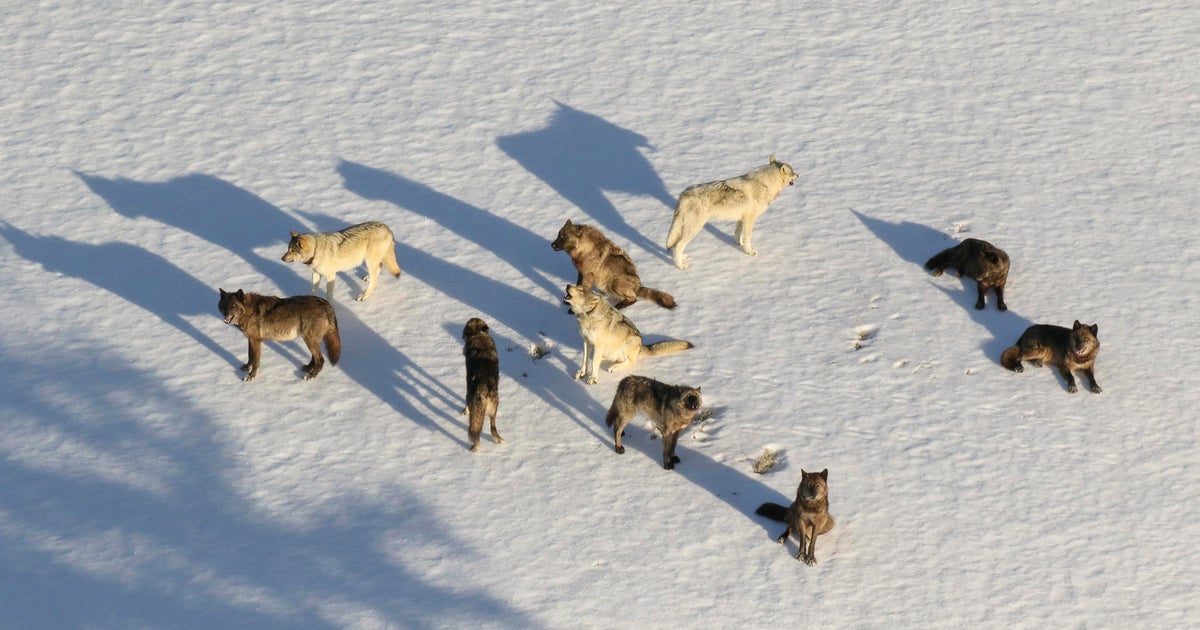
(155, 152)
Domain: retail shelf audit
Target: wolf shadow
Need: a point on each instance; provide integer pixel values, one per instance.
(132, 273)
(527, 251)
(915, 243)
(580, 156)
(208, 207)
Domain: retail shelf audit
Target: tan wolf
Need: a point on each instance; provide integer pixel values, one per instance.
(327, 253)
(262, 317)
(807, 517)
(1067, 349)
(604, 265)
(608, 334)
(977, 259)
(483, 379)
(739, 199)
(671, 407)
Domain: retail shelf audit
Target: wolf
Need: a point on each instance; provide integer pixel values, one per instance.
(671, 407)
(977, 259)
(739, 199)
(601, 263)
(483, 379)
(1067, 349)
(807, 517)
(262, 317)
(608, 334)
(327, 253)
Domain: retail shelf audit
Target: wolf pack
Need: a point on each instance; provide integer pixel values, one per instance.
(608, 283)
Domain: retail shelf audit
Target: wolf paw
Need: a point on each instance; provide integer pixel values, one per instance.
(591, 380)
(1096, 389)
(936, 273)
(247, 378)
(310, 376)
(750, 251)
(807, 559)
(619, 449)
(1072, 388)
(362, 297)
(580, 374)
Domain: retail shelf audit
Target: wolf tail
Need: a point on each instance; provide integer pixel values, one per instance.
(393, 267)
(333, 343)
(666, 347)
(773, 511)
(658, 297)
(1011, 358)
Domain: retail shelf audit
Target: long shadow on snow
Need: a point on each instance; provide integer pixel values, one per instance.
(215, 210)
(916, 244)
(556, 387)
(130, 272)
(146, 524)
(729, 484)
(581, 155)
(527, 251)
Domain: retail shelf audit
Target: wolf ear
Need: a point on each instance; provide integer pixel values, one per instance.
(240, 294)
(1095, 329)
(825, 474)
(294, 234)
(1076, 325)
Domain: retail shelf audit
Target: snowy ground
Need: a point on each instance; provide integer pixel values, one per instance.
(152, 154)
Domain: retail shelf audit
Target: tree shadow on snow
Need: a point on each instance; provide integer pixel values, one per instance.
(528, 252)
(152, 525)
(208, 207)
(132, 273)
(580, 156)
(916, 244)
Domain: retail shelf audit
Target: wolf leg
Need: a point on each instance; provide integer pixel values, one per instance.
(1091, 377)
(251, 367)
(688, 232)
(669, 457)
(981, 290)
(1000, 298)
(495, 434)
(1066, 373)
(372, 276)
(316, 281)
(745, 230)
(583, 362)
(318, 361)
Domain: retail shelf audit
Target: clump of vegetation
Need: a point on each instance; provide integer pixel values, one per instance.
(765, 461)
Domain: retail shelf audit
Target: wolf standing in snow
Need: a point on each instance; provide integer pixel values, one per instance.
(327, 253)
(739, 199)
(483, 379)
(262, 317)
(671, 407)
(608, 334)
(604, 265)
(807, 517)
(1067, 349)
(977, 259)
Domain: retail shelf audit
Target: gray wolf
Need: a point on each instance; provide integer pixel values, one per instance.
(739, 199)
(807, 517)
(1067, 349)
(262, 317)
(977, 259)
(604, 265)
(671, 407)
(483, 379)
(608, 334)
(327, 253)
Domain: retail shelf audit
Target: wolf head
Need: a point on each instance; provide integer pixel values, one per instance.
(581, 299)
(232, 306)
(785, 171)
(691, 399)
(301, 248)
(474, 326)
(1083, 341)
(813, 486)
(565, 235)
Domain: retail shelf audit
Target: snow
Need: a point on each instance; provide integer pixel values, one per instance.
(152, 154)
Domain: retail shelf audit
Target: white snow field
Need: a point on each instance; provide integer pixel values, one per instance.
(155, 152)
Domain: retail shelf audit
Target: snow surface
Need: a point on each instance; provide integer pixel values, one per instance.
(153, 152)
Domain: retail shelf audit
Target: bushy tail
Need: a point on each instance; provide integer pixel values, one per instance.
(333, 343)
(666, 347)
(393, 267)
(658, 297)
(773, 511)
(1011, 358)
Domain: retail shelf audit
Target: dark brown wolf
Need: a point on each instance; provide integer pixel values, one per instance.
(671, 407)
(601, 263)
(483, 379)
(262, 317)
(977, 259)
(807, 517)
(1067, 349)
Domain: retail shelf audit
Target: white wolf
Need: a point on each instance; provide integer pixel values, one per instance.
(608, 334)
(739, 199)
(327, 253)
